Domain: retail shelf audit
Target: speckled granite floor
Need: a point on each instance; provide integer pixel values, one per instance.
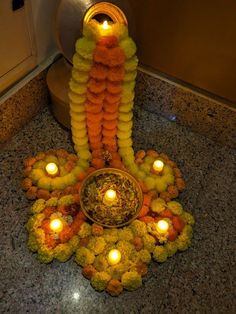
(200, 280)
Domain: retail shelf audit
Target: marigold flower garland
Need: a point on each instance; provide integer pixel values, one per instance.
(101, 108)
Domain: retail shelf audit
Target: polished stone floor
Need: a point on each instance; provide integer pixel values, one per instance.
(200, 280)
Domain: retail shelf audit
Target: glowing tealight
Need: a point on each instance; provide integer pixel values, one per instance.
(52, 168)
(105, 25)
(114, 257)
(110, 196)
(162, 226)
(56, 225)
(158, 165)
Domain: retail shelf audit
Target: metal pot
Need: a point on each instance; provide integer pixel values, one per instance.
(70, 18)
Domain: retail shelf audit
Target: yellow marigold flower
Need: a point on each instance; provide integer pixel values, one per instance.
(158, 205)
(126, 249)
(74, 242)
(36, 175)
(150, 182)
(160, 254)
(188, 218)
(131, 280)
(161, 184)
(85, 230)
(149, 242)
(171, 248)
(45, 255)
(125, 234)
(45, 183)
(129, 47)
(145, 256)
(63, 252)
(97, 245)
(84, 256)
(100, 280)
(66, 200)
(81, 77)
(138, 228)
(111, 235)
(32, 243)
(52, 201)
(175, 207)
(100, 263)
(85, 47)
(131, 64)
(38, 206)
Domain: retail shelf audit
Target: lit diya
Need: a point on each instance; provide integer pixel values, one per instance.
(111, 197)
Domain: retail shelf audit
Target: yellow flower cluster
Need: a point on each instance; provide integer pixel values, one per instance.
(39, 184)
(36, 240)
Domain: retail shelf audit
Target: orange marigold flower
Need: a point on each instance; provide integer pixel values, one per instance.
(97, 153)
(27, 171)
(93, 108)
(29, 161)
(99, 71)
(170, 162)
(180, 184)
(177, 172)
(108, 107)
(108, 41)
(140, 154)
(173, 190)
(61, 153)
(110, 124)
(94, 131)
(166, 196)
(109, 133)
(26, 184)
(143, 211)
(109, 141)
(114, 87)
(94, 116)
(116, 74)
(88, 271)
(141, 268)
(98, 163)
(114, 287)
(95, 146)
(97, 230)
(95, 139)
(138, 243)
(95, 98)
(66, 234)
(96, 86)
(40, 156)
(152, 153)
(41, 193)
(109, 56)
(110, 116)
(112, 98)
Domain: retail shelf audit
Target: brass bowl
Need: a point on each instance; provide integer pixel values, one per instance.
(112, 171)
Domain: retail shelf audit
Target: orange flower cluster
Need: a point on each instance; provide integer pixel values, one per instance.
(103, 99)
(68, 231)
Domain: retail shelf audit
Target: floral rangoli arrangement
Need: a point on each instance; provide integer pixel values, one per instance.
(100, 217)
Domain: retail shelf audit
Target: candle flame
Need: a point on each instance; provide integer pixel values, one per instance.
(110, 195)
(52, 168)
(162, 226)
(158, 165)
(114, 257)
(56, 225)
(105, 25)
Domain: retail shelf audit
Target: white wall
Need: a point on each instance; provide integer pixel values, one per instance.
(43, 12)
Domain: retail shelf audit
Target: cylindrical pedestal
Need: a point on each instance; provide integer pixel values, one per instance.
(58, 78)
